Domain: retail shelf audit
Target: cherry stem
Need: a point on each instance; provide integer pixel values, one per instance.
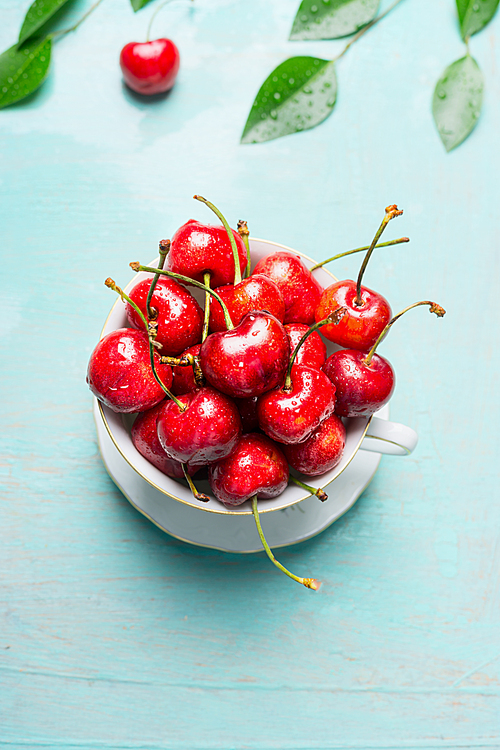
(366, 28)
(390, 213)
(197, 495)
(125, 298)
(164, 250)
(434, 308)
(206, 319)
(359, 250)
(334, 318)
(188, 360)
(62, 32)
(147, 269)
(310, 583)
(237, 270)
(243, 232)
(313, 490)
(154, 16)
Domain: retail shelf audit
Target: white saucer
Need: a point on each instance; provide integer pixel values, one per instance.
(237, 533)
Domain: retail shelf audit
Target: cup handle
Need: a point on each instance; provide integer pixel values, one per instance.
(389, 437)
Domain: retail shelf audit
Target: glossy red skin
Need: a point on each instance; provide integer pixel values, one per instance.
(248, 360)
(180, 318)
(321, 451)
(257, 467)
(301, 292)
(120, 375)
(247, 408)
(183, 377)
(150, 67)
(208, 430)
(361, 326)
(291, 417)
(361, 389)
(197, 249)
(312, 353)
(254, 293)
(145, 439)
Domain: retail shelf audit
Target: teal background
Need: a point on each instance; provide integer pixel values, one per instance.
(113, 635)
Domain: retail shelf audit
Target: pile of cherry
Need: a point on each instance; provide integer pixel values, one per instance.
(244, 387)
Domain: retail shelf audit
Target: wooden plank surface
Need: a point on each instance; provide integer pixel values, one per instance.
(113, 635)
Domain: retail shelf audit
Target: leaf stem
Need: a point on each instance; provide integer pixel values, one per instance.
(359, 250)
(335, 317)
(434, 308)
(147, 269)
(390, 213)
(125, 298)
(62, 32)
(366, 28)
(310, 583)
(313, 490)
(237, 270)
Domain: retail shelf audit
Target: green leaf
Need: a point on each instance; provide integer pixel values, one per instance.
(474, 15)
(298, 95)
(331, 19)
(23, 70)
(457, 101)
(38, 14)
(138, 4)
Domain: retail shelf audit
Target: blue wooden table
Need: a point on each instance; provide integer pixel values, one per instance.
(112, 634)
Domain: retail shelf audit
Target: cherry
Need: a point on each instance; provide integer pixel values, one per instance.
(205, 430)
(150, 67)
(254, 293)
(249, 359)
(145, 439)
(365, 382)
(313, 351)
(368, 311)
(178, 316)
(321, 451)
(120, 375)
(301, 291)
(256, 467)
(291, 414)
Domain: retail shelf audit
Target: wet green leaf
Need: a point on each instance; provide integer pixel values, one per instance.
(474, 15)
(38, 15)
(23, 70)
(298, 95)
(330, 19)
(138, 4)
(457, 101)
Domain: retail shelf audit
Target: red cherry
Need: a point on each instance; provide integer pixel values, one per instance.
(150, 67)
(312, 353)
(207, 431)
(145, 438)
(197, 249)
(290, 416)
(120, 375)
(179, 316)
(300, 290)
(361, 389)
(256, 467)
(254, 293)
(321, 451)
(249, 359)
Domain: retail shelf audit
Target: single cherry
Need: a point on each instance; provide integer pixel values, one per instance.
(145, 438)
(368, 311)
(255, 293)
(120, 375)
(206, 430)
(301, 291)
(249, 359)
(365, 382)
(150, 67)
(313, 351)
(178, 316)
(321, 451)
